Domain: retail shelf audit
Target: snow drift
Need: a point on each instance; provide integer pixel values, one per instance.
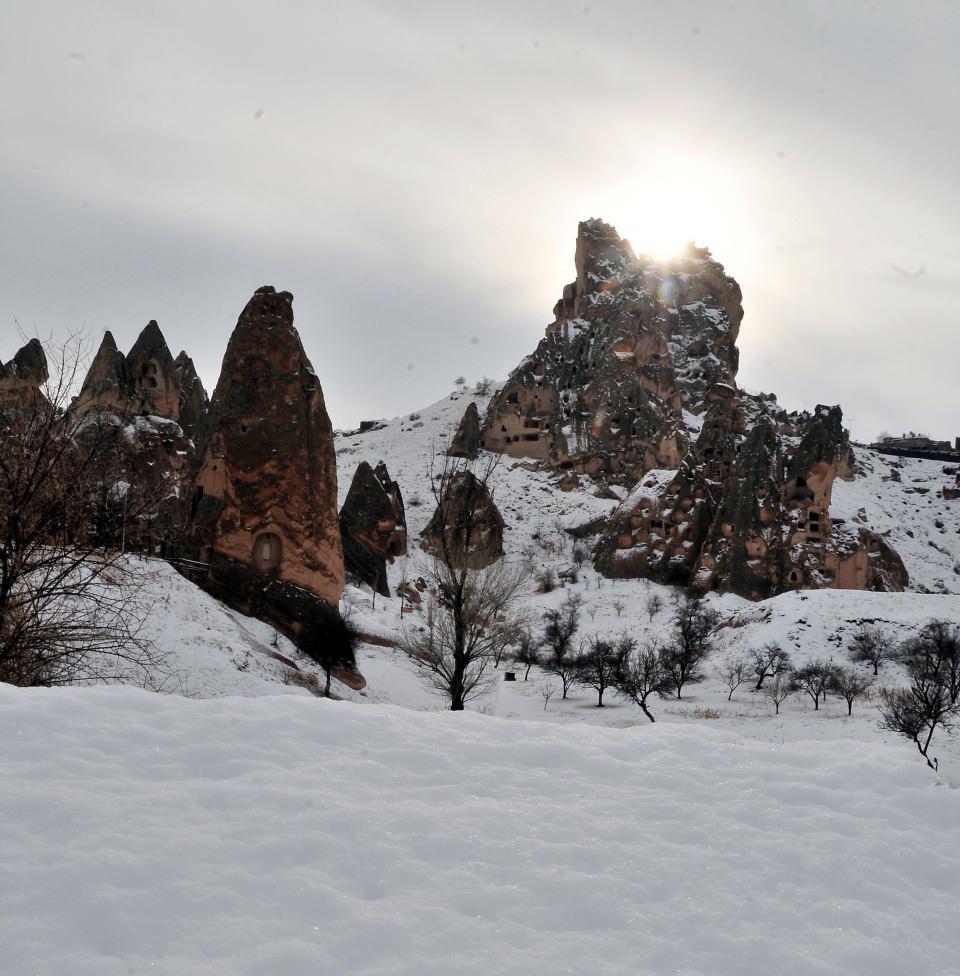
(287, 835)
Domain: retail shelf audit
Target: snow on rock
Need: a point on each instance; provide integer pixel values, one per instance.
(152, 834)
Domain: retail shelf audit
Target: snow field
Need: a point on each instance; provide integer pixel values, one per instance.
(286, 835)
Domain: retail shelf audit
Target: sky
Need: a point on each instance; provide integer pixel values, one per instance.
(414, 173)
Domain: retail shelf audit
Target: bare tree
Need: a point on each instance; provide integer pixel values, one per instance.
(733, 674)
(779, 690)
(619, 606)
(460, 383)
(654, 605)
(471, 615)
(560, 626)
(870, 646)
(70, 601)
(937, 648)
(684, 656)
(850, 684)
(643, 676)
(768, 661)
(527, 652)
(547, 691)
(932, 700)
(815, 680)
(601, 666)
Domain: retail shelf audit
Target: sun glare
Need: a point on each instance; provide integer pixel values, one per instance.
(674, 200)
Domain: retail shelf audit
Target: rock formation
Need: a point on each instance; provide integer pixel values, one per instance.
(194, 404)
(466, 529)
(22, 377)
(266, 495)
(372, 526)
(634, 343)
(952, 492)
(466, 441)
(752, 518)
(147, 382)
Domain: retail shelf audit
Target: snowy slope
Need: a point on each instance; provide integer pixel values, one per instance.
(153, 834)
(911, 514)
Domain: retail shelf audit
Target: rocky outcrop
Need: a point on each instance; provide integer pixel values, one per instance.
(266, 492)
(22, 377)
(466, 529)
(952, 492)
(634, 343)
(466, 441)
(194, 405)
(372, 526)
(147, 382)
(751, 515)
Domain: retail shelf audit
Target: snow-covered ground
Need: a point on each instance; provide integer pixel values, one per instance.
(154, 834)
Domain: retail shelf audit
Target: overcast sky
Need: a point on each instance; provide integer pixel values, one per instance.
(414, 173)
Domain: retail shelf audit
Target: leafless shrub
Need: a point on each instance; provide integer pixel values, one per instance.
(779, 689)
(733, 674)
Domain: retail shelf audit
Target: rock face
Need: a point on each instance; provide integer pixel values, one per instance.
(751, 517)
(157, 407)
(266, 495)
(951, 493)
(194, 404)
(373, 527)
(466, 441)
(466, 529)
(634, 343)
(22, 377)
(145, 382)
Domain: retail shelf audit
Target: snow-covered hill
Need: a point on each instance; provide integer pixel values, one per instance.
(153, 834)
(910, 513)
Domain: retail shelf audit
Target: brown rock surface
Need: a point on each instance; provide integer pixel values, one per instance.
(267, 485)
(466, 441)
(633, 343)
(466, 528)
(22, 377)
(372, 526)
(741, 516)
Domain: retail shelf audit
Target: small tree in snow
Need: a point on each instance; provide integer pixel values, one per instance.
(683, 658)
(850, 684)
(778, 690)
(931, 701)
(815, 680)
(768, 661)
(527, 653)
(460, 383)
(733, 674)
(560, 626)
(654, 605)
(869, 645)
(644, 676)
(603, 663)
(619, 606)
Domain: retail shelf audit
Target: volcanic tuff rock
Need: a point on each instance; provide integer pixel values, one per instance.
(145, 382)
(751, 518)
(466, 529)
(466, 441)
(22, 377)
(266, 496)
(193, 401)
(372, 526)
(633, 344)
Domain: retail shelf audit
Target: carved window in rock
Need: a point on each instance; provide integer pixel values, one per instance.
(267, 551)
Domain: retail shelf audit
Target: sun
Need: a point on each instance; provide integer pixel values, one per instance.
(676, 199)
